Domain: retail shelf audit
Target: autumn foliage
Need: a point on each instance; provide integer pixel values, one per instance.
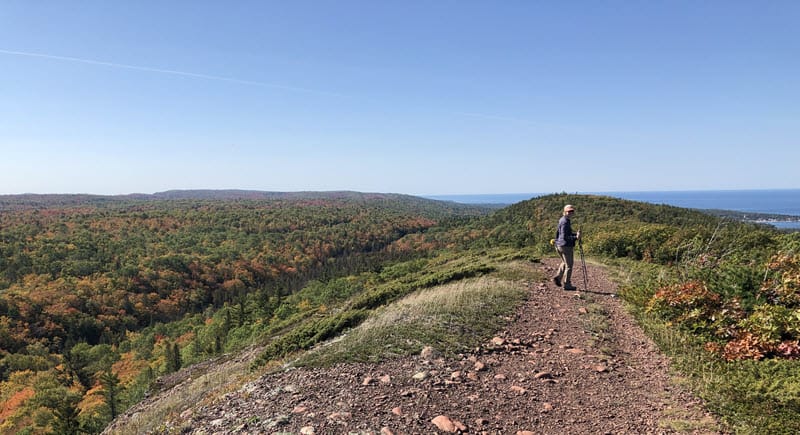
(126, 290)
(768, 329)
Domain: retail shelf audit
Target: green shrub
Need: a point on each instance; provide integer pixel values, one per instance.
(648, 242)
(783, 285)
(732, 281)
(760, 396)
(307, 335)
(382, 295)
(402, 269)
(773, 323)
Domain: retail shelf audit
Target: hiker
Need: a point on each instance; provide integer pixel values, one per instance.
(565, 245)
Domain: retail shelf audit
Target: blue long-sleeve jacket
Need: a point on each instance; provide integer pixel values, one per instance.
(565, 236)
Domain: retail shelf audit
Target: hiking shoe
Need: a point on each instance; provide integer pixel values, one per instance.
(557, 281)
(569, 286)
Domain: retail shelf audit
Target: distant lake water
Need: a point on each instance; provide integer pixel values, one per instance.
(777, 201)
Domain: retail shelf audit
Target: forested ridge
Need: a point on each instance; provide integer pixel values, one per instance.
(99, 296)
(85, 279)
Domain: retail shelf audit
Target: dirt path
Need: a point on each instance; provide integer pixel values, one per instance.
(565, 365)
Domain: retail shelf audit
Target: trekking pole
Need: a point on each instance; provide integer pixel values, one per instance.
(583, 264)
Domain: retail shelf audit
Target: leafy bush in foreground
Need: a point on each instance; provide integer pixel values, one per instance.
(690, 303)
(783, 286)
(768, 328)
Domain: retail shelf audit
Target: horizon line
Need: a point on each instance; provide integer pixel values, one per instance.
(429, 195)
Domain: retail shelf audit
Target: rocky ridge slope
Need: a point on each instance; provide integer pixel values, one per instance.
(568, 362)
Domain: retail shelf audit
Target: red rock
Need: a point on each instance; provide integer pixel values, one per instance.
(386, 431)
(444, 423)
(340, 416)
(398, 410)
(479, 366)
(519, 390)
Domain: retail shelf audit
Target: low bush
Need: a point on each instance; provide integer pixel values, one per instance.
(782, 286)
(690, 304)
(305, 336)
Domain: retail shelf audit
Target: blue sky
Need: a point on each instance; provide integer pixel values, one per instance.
(417, 97)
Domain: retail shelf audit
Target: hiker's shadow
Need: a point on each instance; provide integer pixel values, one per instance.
(599, 293)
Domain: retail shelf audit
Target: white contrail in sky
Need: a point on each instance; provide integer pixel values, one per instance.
(233, 80)
(168, 71)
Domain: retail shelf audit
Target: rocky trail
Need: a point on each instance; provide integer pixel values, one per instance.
(567, 363)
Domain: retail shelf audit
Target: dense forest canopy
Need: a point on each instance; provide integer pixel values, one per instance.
(92, 272)
(80, 273)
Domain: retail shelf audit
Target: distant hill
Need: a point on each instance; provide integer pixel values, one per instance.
(30, 200)
(228, 194)
(198, 194)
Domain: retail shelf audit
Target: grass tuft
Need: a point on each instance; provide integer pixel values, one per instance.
(595, 321)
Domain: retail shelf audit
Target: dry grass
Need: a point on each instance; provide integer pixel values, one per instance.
(201, 383)
(450, 317)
